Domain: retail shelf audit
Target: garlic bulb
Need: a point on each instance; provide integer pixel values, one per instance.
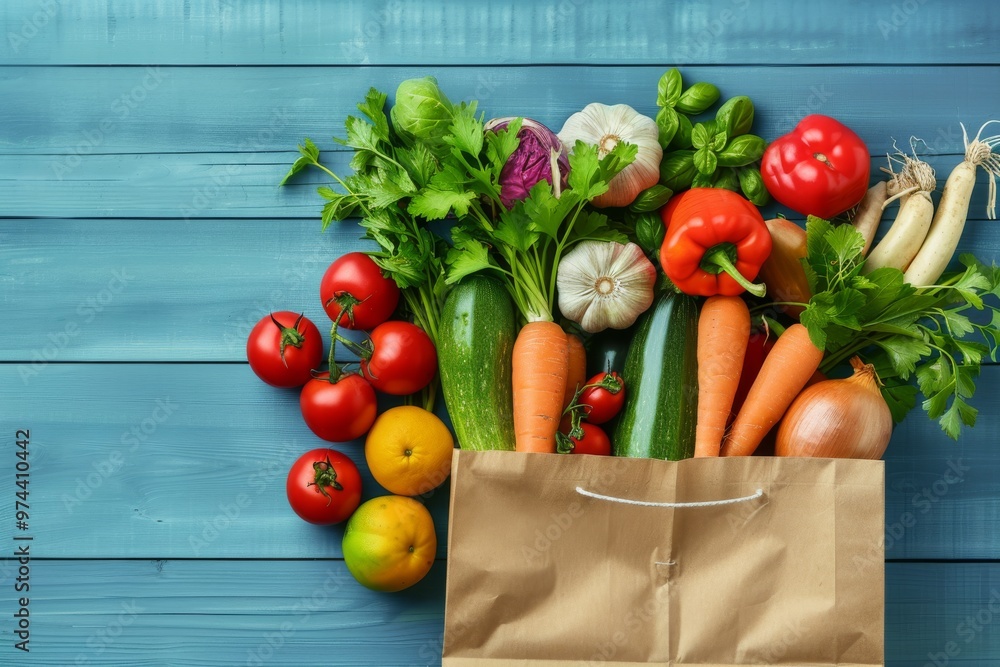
(605, 126)
(603, 284)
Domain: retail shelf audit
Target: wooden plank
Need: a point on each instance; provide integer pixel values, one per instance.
(144, 459)
(452, 32)
(105, 110)
(165, 461)
(210, 613)
(192, 186)
(140, 613)
(141, 290)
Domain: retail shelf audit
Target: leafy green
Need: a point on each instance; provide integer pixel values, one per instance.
(905, 331)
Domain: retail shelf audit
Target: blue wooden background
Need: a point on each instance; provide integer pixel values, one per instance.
(142, 235)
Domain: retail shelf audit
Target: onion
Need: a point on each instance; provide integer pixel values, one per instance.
(838, 419)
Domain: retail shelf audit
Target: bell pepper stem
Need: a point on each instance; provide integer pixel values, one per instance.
(718, 256)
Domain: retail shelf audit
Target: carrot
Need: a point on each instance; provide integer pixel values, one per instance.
(786, 370)
(723, 334)
(577, 376)
(539, 365)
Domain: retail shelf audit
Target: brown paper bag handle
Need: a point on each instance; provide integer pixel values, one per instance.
(645, 503)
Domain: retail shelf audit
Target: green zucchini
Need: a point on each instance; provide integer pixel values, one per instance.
(661, 378)
(475, 341)
(606, 350)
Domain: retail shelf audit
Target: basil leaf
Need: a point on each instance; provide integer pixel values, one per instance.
(705, 161)
(742, 150)
(682, 138)
(700, 136)
(649, 232)
(651, 199)
(718, 141)
(727, 179)
(736, 115)
(667, 121)
(753, 185)
(697, 98)
(677, 169)
(703, 180)
(668, 92)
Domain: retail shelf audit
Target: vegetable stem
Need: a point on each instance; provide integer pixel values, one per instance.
(718, 256)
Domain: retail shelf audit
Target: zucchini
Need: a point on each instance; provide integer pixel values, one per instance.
(475, 340)
(661, 378)
(606, 350)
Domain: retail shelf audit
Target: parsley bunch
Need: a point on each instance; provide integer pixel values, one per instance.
(905, 331)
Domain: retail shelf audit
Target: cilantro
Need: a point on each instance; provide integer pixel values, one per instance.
(905, 331)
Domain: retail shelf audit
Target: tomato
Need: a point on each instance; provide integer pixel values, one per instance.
(354, 290)
(284, 348)
(594, 441)
(602, 402)
(403, 359)
(323, 486)
(338, 411)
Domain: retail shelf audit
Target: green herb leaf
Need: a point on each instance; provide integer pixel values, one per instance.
(466, 258)
(718, 141)
(667, 121)
(697, 98)
(437, 204)
(649, 232)
(374, 108)
(682, 138)
(726, 178)
(700, 135)
(705, 161)
(651, 199)
(736, 115)
(753, 185)
(904, 353)
(677, 170)
(668, 91)
(309, 155)
(742, 150)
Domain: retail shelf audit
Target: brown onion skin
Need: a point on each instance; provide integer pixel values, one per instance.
(782, 272)
(817, 424)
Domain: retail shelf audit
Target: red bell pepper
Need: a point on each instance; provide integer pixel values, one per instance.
(820, 168)
(715, 243)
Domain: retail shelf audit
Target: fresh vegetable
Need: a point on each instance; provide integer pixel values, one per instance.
(661, 373)
(715, 153)
(591, 439)
(338, 407)
(475, 342)
(323, 486)
(355, 294)
(605, 127)
(901, 329)
(786, 370)
(606, 350)
(845, 418)
(409, 450)
(539, 156)
(399, 359)
(576, 374)
(723, 334)
(389, 543)
(602, 397)
(782, 272)
(422, 113)
(868, 215)
(758, 347)
(604, 284)
(540, 366)
(901, 244)
(949, 219)
(820, 168)
(715, 243)
(284, 348)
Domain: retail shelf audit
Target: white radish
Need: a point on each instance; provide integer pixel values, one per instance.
(908, 231)
(869, 213)
(949, 219)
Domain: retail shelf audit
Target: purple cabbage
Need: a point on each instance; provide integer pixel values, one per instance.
(538, 156)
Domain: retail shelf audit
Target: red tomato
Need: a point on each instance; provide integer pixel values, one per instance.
(403, 359)
(354, 290)
(338, 411)
(284, 348)
(594, 441)
(323, 487)
(600, 405)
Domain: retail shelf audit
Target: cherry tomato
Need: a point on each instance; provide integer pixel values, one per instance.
(284, 348)
(594, 441)
(338, 411)
(403, 359)
(323, 487)
(600, 405)
(354, 290)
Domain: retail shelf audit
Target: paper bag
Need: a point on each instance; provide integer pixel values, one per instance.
(586, 560)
